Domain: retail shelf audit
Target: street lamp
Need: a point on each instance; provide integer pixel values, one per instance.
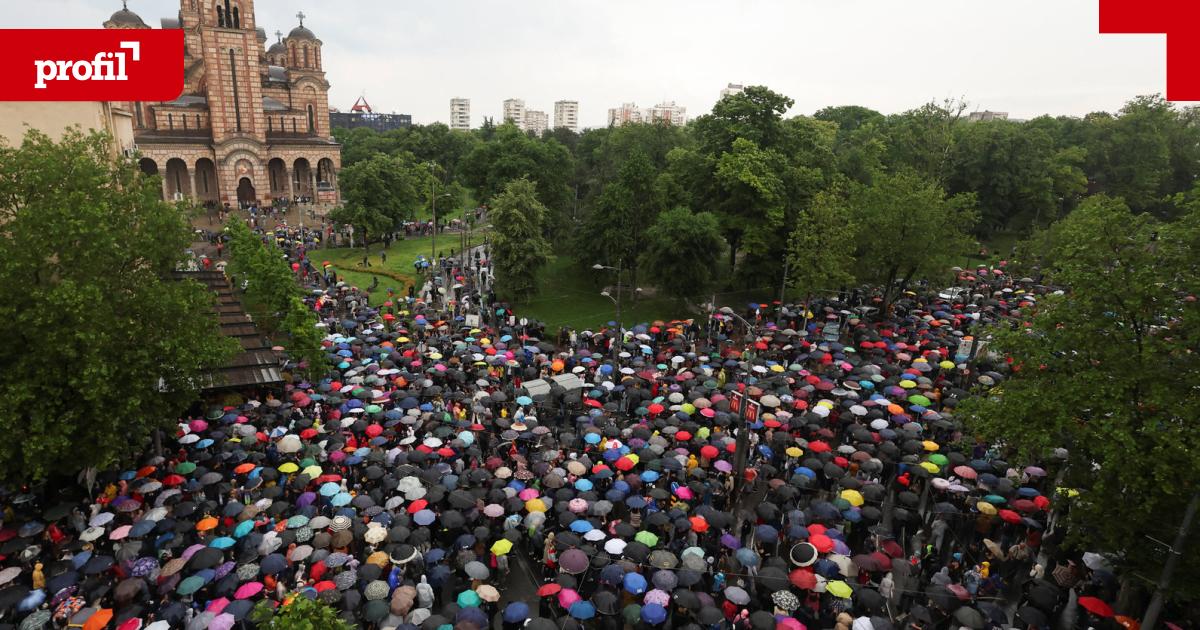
(616, 301)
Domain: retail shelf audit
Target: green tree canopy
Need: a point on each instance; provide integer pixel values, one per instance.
(104, 344)
(821, 246)
(519, 249)
(908, 228)
(301, 613)
(679, 250)
(1102, 371)
(382, 191)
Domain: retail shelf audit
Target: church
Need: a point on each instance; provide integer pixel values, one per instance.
(252, 123)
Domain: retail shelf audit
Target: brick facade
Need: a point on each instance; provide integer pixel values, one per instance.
(252, 124)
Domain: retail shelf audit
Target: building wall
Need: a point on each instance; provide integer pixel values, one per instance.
(514, 111)
(566, 115)
(460, 114)
(54, 118)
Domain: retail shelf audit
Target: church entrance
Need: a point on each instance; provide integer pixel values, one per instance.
(245, 192)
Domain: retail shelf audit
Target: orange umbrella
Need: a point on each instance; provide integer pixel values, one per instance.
(99, 620)
(206, 524)
(244, 468)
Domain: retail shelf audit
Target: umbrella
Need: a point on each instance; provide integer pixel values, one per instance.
(1096, 606)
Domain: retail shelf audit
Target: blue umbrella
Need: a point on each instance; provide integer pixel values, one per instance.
(635, 583)
(32, 600)
(581, 526)
(329, 489)
(516, 612)
(524, 400)
(583, 485)
(582, 610)
(654, 614)
(340, 499)
(224, 542)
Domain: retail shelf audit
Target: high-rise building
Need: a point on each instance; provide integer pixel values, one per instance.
(623, 115)
(536, 121)
(514, 112)
(732, 88)
(460, 114)
(566, 115)
(667, 113)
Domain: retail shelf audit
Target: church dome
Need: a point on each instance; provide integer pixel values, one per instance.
(125, 19)
(277, 49)
(300, 32)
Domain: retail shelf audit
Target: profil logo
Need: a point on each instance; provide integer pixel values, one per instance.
(106, 66)
(1179, 20)
(93, 65)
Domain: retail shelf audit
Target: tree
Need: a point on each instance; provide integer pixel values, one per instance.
(615, 229)
(104, 344)
(680, 246)
(908, 228)
(519, 248)
(301, 613)
(382, 191)
(1098, 371)
(820, 255)
(511, 154)
(923, 139)
(272, 296)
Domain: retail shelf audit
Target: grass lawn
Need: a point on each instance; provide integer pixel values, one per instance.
(570, 297)
(398, 273)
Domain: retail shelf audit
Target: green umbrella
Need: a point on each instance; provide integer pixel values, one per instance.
(646, 538)
(190, 585)
(185, 468)
(918, 399)
(468, 599)
(632, 614)
(374, 409)
(841, 504)
(939, 459)
(995, 499)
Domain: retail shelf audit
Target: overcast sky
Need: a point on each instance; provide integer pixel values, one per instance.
(1026, 57)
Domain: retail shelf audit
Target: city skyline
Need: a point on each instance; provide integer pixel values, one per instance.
(902, 55)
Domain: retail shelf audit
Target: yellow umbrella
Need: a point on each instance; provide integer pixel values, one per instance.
(946, 365)
(986, 508)
(313, 471)
(907, 384)
(853, 496)
(930, 445)
(502, 546)
(793, 451)
(838, 588)
(535, 505)
(931, 467)
(289, 468)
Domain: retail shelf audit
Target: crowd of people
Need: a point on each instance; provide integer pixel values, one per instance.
(778, 467)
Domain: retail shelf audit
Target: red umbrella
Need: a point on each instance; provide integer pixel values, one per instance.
(1096, 606)
(1010, 516)
(417, 506)
(699, 524)
(818, 447)
(549, 589)
(709, 451)
(823, 543)
(803, 578)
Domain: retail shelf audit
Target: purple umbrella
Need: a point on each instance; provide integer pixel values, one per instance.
(730, 541)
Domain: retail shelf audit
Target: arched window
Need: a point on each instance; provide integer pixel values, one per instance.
(220, 17)
(312, 120)
(170, 121)
(237, 23)
(306, 56)
(295, 57)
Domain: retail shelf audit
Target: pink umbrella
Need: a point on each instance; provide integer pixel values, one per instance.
(248, 590)
(217, 605)
(657, 596)
(578, 506)
(528, 494)
(224, 621)
(568, 596)
(966, 472)
(494, 510)
(789, 623)
(684, 492)
(120, 532)
(197, 426)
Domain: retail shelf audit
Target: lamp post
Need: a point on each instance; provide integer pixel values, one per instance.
(617, 301)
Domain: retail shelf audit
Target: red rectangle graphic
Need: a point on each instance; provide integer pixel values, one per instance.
(93, 64)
